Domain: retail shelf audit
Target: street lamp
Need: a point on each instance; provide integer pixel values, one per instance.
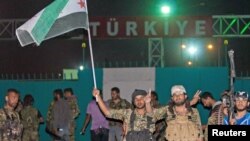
(183, 46)
(210, 47)
(81, 68)
(190, 63)
(192, 50)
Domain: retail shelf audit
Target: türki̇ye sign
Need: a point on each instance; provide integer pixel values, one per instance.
(149, 27)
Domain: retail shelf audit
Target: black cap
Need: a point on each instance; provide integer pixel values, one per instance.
(138, 92)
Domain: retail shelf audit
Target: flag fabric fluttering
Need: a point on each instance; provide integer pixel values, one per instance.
(59, 17)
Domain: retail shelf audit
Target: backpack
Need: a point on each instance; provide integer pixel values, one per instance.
(144, 135)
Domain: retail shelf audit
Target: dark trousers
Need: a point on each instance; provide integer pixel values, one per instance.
(101, 134)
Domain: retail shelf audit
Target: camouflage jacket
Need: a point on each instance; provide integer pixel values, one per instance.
(19, 107)
(74, 106)
(140, 122)
(160, 125)
(49, 114)
(10, 125)
(30, 118)
(216, 117)
(122, 104)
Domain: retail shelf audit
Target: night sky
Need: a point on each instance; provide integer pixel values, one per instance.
(55, 54)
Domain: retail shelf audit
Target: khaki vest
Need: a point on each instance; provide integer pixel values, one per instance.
(182, 128)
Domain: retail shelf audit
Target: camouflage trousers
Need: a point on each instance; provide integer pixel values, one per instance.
(30, 135)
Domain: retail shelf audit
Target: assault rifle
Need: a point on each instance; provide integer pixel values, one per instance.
(231, 113)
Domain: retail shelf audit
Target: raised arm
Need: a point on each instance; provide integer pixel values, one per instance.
(103, 107)
(147, 100)
(196, 98)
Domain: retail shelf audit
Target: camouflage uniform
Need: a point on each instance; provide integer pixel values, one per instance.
(49, 115)
(19, 107)
(123, 104)
(75, 109)
(180, 127)
(115, 126)
(140, 122)
(160, 125)
(30, 121)
(10, 125)
(215, 118)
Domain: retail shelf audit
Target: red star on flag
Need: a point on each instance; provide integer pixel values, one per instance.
(81, 3)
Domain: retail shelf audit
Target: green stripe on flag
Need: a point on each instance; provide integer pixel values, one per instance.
(47, 19)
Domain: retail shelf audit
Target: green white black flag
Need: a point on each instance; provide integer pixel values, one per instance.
(59, 17)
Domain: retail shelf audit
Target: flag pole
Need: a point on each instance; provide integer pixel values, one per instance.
(90, 48)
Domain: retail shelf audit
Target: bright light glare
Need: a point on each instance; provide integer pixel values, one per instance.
(192, 50)
(210, 46)
(81, 68)
(165, 9)
(183, 46)
(190, 63)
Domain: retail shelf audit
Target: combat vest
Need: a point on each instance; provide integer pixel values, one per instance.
(182, 127)
(11, 128)
(30, 120)
(144, 135)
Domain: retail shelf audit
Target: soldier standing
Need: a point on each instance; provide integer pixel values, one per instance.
(59, 118)
(139, 125)
(216, 113)
(72, 100)
(183, 121)
(10, 124)
(242, 117)
(115, 126)
(31, 118)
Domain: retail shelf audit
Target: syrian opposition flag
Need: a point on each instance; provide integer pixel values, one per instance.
(59, 17)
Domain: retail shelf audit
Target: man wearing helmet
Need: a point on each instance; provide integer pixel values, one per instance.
(242, 117)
